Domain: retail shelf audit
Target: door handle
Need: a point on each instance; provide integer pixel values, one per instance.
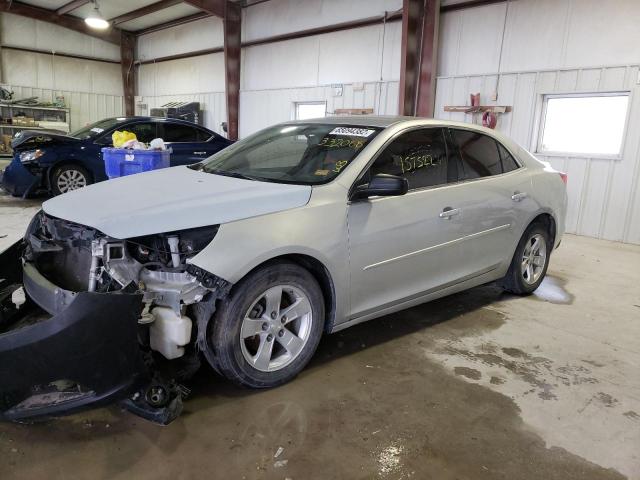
(449, 212)
(517, 196)
(199, 153)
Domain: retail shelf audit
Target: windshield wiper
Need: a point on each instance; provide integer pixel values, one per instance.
(225, 173)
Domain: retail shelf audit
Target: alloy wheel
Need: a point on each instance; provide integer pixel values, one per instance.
(534, 259)
(276, 328)
(71, 180)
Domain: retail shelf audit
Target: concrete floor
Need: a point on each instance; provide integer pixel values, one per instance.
(480, 385)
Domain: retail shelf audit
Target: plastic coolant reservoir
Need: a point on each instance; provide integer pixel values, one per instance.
(169, 332)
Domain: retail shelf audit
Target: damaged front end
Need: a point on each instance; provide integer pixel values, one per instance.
(86, 319)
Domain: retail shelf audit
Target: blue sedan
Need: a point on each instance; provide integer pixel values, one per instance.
(55, 163)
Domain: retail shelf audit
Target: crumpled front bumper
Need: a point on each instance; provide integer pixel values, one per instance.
(84, 354)
(18, 180)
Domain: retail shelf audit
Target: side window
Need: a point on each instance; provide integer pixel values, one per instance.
(418, 155)
(175, 132)
(479, 152)
(508, 162)
(145, 131)
(203, 135)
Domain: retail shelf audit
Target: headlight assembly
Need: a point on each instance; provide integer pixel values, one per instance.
(30, 155)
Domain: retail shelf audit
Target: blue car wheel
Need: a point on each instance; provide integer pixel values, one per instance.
(69, 177)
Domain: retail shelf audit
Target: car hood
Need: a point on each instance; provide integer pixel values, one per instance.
(172, 199)
(36, 138)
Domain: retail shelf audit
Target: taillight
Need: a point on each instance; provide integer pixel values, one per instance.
(564, 177)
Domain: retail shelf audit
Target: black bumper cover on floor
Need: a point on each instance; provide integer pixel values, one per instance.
(91, 344)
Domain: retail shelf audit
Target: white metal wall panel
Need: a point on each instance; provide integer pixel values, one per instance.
(25, 32)
(213, 105)
(85, 107)
(284, 16)
(190, 37)
(54, 72)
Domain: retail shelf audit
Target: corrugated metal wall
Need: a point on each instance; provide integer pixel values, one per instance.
(557, 46)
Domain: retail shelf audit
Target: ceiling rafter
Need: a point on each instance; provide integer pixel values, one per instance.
(111, 34)
(141, 12)
(214, 7)
(68, 7)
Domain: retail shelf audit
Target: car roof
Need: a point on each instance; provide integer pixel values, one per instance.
(162, 119)
(384, 121)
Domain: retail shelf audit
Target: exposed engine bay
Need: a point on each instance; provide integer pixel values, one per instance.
(147, 280)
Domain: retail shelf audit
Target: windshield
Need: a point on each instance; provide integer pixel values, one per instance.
(97, 128)
(308, 154)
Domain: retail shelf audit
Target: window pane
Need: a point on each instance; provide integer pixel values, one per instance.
(585, 124)
(419, 156)
(480, 157)
(145, 132)
(174, 132)
(305, 111)
(508, 162)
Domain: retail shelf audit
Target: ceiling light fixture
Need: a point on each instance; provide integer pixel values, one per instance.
(95, 19)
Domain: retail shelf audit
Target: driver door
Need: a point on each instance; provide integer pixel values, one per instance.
(402, 247)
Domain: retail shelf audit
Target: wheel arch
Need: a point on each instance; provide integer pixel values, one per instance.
(549, 223)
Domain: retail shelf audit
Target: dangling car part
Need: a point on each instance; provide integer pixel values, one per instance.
(86, 319)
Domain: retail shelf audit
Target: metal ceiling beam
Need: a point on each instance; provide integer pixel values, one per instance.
(470, 4)
(214, 7)
(173, 23)
(420, 20)
(68, 7)
(141, 12)
(111, 34)
(232, 48)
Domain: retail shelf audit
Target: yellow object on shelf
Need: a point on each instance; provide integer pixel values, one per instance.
(121, 137)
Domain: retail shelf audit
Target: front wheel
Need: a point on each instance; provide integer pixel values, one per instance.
(529, 264)
(69, 177)
(269, 328)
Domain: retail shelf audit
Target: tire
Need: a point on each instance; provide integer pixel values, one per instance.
(69, 177)
(525, 273)
(255, 347)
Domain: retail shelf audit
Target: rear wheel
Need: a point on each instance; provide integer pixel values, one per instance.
(530, 261)
(69, 177)
(270, 327)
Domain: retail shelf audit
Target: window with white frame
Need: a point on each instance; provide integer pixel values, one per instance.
(307, 110)
(591, 124)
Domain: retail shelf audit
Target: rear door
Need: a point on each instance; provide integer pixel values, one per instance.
(401, 247)
(493, 197)
(188, 143)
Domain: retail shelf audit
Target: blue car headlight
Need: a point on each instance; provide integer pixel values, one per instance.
(30, 155)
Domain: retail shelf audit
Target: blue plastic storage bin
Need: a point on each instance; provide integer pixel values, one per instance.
(119, 162)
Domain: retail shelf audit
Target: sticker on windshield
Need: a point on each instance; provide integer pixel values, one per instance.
(351, 132)
(97, 130)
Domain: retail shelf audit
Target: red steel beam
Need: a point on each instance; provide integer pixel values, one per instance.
(420, 19)
(470, 4)
(68, 7)
(73, 23)
(214, 7)
(232, 47)
(141, 12)
(127, 55)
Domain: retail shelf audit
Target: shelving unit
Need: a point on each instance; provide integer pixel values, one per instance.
(13, 112)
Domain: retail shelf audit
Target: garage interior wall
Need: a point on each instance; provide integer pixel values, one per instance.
(92, 90)
(571, 46)
(364, 61)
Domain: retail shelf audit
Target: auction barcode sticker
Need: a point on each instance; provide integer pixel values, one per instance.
(351, 132)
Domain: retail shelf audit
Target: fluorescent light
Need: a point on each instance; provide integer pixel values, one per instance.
(96, 20)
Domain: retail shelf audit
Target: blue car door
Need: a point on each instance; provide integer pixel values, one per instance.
(189, 143)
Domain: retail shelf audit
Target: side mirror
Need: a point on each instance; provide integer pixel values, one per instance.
(382, 185)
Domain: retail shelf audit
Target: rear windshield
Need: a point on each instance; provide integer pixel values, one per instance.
(308, 154)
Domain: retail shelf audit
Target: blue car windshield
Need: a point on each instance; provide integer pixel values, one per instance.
(97, 128)
(308, 154)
